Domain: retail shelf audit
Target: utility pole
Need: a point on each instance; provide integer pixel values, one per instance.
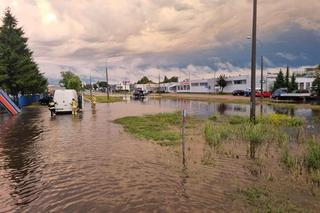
(189, 81)
(107, 81)
(261, 76)
(90, 87)
(253, 64)
(214, 82)
(159, 84)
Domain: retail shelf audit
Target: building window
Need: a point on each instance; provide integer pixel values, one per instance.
(308, 85)
(195, 84)
(204, 84)
(301, 86)
(240, 81)
(188, 87)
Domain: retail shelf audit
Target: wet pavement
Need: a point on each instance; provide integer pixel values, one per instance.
(89, 164)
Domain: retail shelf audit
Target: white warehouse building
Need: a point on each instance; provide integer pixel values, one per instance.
(233, 83)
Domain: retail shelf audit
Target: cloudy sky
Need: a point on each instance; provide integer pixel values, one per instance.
(166, 37)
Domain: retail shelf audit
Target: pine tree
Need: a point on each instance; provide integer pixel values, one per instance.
(18, 71)
(293, 84)
(280, 82)
(316, 83)
(287, 78)
(165, 80)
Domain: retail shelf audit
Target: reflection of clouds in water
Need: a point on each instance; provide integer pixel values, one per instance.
(21, 158)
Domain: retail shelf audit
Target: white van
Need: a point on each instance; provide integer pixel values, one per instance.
(63, 99)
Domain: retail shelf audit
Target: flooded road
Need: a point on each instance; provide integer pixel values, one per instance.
(89, 164)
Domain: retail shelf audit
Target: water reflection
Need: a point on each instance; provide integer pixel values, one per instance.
(21, 158)
(205, 109)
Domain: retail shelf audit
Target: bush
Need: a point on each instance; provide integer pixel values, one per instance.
(255, 134)
(215, 134)
(281, 120)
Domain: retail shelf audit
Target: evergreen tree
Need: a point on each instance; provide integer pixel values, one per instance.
(18, 71)
(316, 83)
(293, 84)
(287, 78)
(280, 82)
(166, 80)
(174, 79)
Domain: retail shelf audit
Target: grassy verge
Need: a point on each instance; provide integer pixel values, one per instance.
(104, 99)
(268, 129)
(163, 128)
(263, 200)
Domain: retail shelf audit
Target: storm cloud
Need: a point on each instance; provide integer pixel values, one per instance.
(166, 37)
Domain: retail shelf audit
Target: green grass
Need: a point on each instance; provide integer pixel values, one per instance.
(163, 128)
(263, 201)
(287, 159)
(215, 134)
(236, 119)
(255, 133)
(238, 128)
(104, 99)
(312, 155)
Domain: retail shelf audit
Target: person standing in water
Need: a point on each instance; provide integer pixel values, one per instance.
(52, 107)
(93, 102)
(74, 106)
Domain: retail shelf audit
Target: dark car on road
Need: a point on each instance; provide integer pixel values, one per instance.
(45, 100)
(138, 94)
(238, 93)
(277, 94)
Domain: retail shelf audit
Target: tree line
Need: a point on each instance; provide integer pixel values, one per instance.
(19, 73)
(146, 80)
(285, 81)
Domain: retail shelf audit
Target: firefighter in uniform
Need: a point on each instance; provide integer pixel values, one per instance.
(52, 107)
(74, 106)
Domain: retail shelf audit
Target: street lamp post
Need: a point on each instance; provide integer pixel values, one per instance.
(253, 64)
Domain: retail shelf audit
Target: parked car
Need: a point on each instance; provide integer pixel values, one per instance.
(45, 100)
(264, 94)
(138, 94)
(277, 94)
(247, 92)
(238, 93)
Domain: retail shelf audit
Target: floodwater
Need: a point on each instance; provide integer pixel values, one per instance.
(89, 164)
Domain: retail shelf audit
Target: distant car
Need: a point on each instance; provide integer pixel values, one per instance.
(45, 100)
(238, 93)
(138, 94)
(277, 94)
(247, 92)
(264, 94)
